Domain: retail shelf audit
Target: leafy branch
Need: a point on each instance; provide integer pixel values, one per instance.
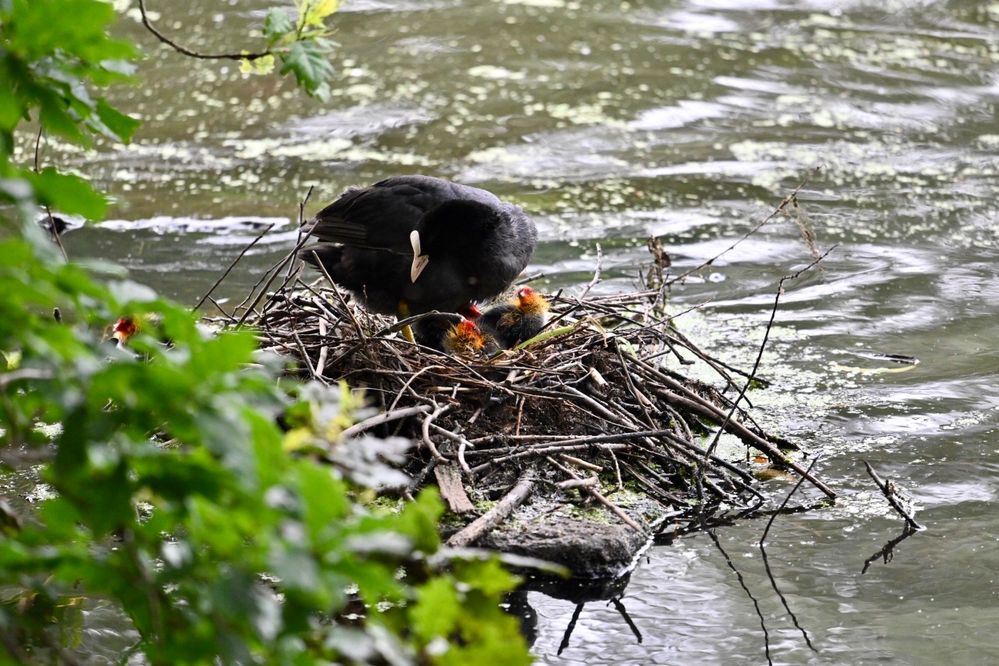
(301, 44)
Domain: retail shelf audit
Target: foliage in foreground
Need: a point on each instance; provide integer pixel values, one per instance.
(176, 497)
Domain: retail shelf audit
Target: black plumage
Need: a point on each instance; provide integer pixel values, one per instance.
(473, 244)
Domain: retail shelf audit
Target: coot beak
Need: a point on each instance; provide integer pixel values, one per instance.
(420, 260)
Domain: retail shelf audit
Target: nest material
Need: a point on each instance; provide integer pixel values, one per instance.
(597, 399)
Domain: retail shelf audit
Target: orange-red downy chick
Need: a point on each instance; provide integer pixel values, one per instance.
(466, 339)
(518, 320)
(123, 329)
(454, 335)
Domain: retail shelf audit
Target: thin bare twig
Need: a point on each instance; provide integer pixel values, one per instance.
(891, 494)
(196, 54)
(232, 265)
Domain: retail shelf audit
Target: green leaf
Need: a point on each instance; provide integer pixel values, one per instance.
(67, 193)
(309, 62)
(258, 66)
(277, 24)
(11, 111)
(314, 12)
(120, 126)
(437, 611)
(324, 499)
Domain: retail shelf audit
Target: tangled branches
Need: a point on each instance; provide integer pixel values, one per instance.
(597, 401)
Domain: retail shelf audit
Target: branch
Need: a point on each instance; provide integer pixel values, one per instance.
(195, 54)
(888, 490)
(487, 521)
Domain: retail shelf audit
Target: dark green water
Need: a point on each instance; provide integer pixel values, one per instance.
(688, 120)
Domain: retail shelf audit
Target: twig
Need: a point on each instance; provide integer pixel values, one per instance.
(759, 357)
(787, 201)
(490, 519)
(233, 265)
(596, 274)
(888, 490)
(385, 417)
(425, 428)
(597, 495)
(195, 54)
(887, 552)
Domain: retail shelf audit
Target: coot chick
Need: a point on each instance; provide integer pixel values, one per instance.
(454, 335)
(432, 329)
(412, 244)
(468, 340)
(518, 320)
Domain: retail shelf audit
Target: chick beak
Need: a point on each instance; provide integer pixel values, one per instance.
(420, 260)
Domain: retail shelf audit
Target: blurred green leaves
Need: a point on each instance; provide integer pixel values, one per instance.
(174, 496)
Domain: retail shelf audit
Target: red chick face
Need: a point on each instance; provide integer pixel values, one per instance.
(467, 339)
(124, 328)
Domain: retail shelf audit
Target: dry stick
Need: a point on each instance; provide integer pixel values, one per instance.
(53, 227)
(888, 490)
(305, 354)
(578, 483)
(232, 265)
(425, 429)
(194, 54)
(759, 356)
(575, 442)
(597, 495)
(766, 560)
(777, 211)
(462, 445)
(676, 501)
(343, 301)
(218, 306)
(617, 469)
(704, 409)
(642, 400)
(688, 395)
(596, 274)
(269, 277)
(581, 463)
(887, 551)
(538, 451)
(487, 521)
(409, 381)
(384, 417)
(301, 225)
(324, 350)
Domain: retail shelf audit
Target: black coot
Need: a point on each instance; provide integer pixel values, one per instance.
(412, 244)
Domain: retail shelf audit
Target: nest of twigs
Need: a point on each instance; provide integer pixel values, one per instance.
(599, 397)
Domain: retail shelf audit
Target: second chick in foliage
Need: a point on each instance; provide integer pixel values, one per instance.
(518, 320)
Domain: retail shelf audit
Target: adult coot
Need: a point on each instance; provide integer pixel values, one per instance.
(413, 244)
(518, 320)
